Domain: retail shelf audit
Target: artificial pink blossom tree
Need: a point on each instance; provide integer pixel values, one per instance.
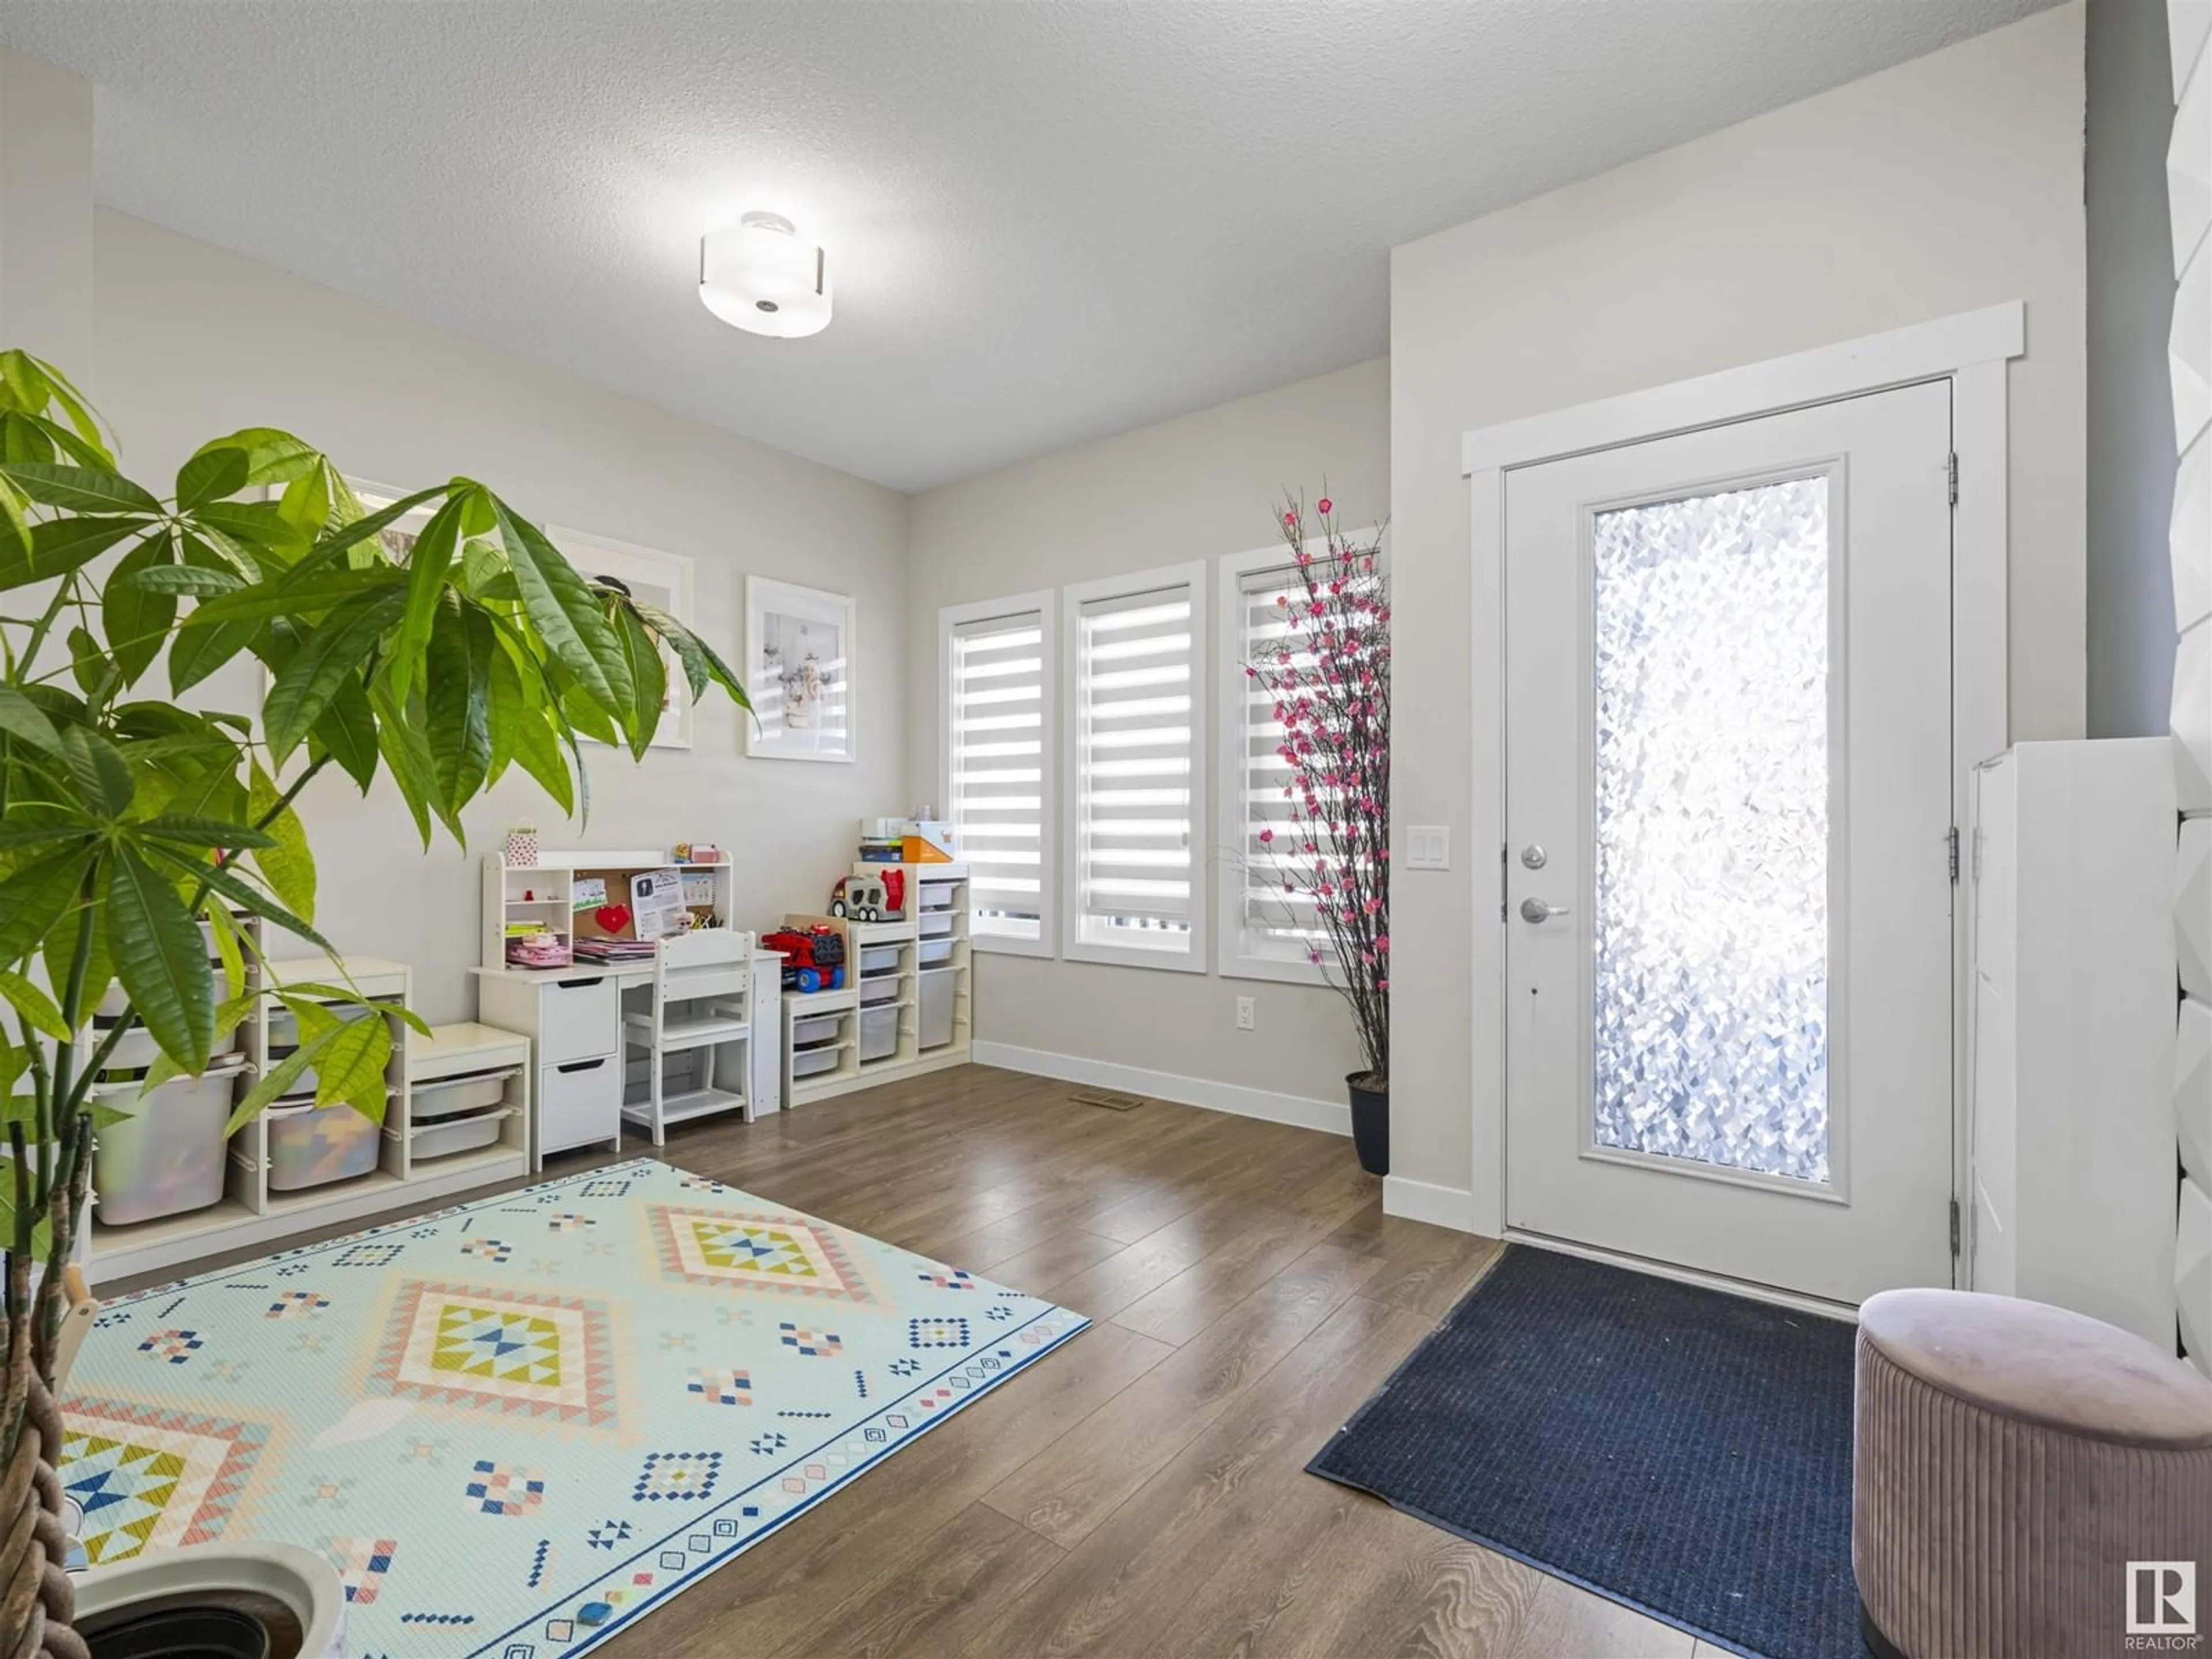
(1329, 676)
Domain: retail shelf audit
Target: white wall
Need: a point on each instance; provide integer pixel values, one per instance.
(46, 208)
(1946, 184)
(1197, 487)
(191, 342)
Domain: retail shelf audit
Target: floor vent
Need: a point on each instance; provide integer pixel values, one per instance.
(1105, 1097)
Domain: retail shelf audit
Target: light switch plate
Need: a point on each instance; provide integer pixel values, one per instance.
(1428, 846)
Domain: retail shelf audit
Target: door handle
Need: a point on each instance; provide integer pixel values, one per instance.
(1536, 910)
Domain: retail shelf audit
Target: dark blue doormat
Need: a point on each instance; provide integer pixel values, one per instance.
(1682, 1451)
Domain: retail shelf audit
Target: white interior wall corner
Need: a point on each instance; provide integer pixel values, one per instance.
(2189, 348)
(2192, 1090)
(2191, 719)
(2190, 538)
(2189, 167)
(2189, 203)
(2192, 1275)
(2192, 908)
(2187, 23)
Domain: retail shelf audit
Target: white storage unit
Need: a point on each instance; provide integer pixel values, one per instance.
(262, 1200)
(2073, 1174)
(909, 982)
(573, 1024)
(468, 1103)
(573, 1016)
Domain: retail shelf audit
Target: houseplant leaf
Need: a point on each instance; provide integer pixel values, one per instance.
(566, 614)
(20, 718)
(284, 861)
(36, 1007)
(161, 959)
(78, 489)
(211, 833)
(427, 565)
(347, 732)
(648, 672)
(61, 545)
(457, 693)
(327, 655)
(351, 1067)
(210, 475)
(102, 776)
(244, 894)
(137, 615)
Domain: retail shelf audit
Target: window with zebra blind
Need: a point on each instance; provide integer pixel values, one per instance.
(1135, 864)
(997, 666)
(1266, 932)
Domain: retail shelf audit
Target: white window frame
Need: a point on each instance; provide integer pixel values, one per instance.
(1073, 947)
(1229, 775)
(951, 617)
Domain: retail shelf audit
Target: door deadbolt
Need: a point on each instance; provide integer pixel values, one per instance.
(1533, 857)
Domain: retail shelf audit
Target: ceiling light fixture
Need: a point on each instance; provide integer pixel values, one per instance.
(758, 276)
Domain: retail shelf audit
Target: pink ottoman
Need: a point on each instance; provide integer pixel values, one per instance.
(2012, 1461)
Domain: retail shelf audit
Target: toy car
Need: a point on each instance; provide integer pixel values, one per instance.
(813, 959)
(860, 898)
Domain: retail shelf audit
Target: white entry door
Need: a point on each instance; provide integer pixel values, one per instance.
(1728, 877)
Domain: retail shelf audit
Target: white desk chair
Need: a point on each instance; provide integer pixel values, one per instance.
(702, 1000)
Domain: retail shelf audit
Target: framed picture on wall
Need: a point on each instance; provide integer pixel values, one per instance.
(663, 581)
(799, 655)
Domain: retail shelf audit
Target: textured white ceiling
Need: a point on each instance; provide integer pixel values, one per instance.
(1049, 220)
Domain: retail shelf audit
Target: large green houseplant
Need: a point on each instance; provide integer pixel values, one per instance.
(130, 822)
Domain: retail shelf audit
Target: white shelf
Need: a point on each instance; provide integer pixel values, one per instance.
(331, 1192)
(682, 1108)
(168, 1230)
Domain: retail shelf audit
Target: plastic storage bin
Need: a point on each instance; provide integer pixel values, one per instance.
(448, 1096)
(459, 1134)
(884, 987)
(935, 950)
(312, 1146)
(812, 1060)
(284, 1026)
(878, 1033)
(935, 924)
(939, 987)
(166, 1158)
(135, 1049)
(878, 959)
(938, 895)
(814, 1028)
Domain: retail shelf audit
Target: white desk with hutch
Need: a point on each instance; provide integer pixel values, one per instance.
(574, 1015)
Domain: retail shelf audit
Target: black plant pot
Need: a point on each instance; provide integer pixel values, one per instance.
(190, 1631)
(1371, 1123)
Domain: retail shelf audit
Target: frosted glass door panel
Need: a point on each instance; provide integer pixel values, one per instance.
(1710, 770)
(1729, 787)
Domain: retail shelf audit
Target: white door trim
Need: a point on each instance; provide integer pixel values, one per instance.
(1969, 350)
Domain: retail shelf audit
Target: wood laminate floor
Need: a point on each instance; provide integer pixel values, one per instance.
(1140, 1491)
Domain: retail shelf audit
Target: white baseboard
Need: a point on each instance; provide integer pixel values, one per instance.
(1420, 1201)
(1333, 1116)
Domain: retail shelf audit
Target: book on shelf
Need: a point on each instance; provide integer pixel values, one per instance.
(615, 949)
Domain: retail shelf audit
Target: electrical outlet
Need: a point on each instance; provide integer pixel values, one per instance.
(1244, 1014)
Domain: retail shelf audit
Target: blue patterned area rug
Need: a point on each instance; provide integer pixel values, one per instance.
(1682, 1451)
(517, 1426)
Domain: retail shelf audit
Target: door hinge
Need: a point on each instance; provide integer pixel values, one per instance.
(1951, 841)
(1954, 477)
(1503, 874)
(1954, 1228)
